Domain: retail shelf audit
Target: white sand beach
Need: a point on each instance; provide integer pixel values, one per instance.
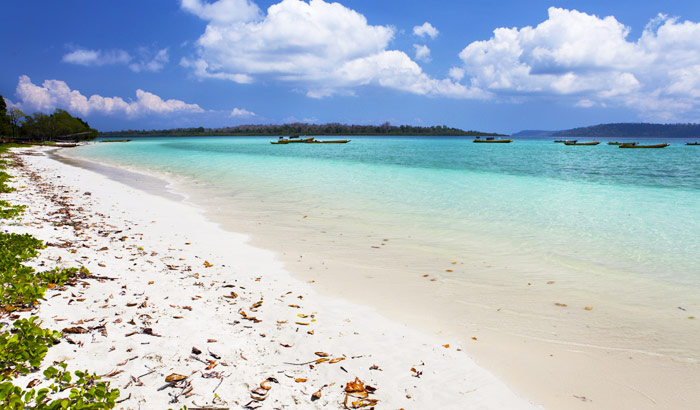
(187, 297)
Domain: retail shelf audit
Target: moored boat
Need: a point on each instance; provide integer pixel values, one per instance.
(615, 143)
(294, 139)
(492, 140)
(328, 142)
(692, 143)
(635, 145)
(563, 141)
(582, 143)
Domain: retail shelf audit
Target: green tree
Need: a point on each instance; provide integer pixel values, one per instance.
(5, 127)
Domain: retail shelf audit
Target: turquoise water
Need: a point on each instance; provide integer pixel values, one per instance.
(622, 212)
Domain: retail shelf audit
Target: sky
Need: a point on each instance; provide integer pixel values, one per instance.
(499, 66)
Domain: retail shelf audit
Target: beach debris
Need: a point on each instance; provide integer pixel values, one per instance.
(416, 373)
(207, 264)
(375, 367)
(175, 377)
(75, 330)
(358, 390)
(447, 346)
(560, 304)
(317, 395)
(588, 308)
(321, 354)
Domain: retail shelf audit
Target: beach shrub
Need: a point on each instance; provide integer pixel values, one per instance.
(23, 348)
(4, 177)
(16, 248)
(9, 211)
(64, 276)
(86, 392)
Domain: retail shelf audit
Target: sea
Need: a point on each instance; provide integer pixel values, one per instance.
(461, 237)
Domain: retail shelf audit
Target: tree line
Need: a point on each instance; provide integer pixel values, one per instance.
(58, 126)
(299, 129)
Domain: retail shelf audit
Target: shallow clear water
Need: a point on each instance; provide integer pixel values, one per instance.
(629, 212)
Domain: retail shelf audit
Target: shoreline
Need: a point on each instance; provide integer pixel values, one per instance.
(173, 271)
(544, 367)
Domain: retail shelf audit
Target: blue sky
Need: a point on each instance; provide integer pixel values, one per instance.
(499, 66)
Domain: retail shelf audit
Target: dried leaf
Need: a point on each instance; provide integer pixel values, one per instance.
(321, 354)
(300, 380)
(175, 377)
(337, 359)
(75, 330)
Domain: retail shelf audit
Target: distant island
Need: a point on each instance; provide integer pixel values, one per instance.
(619, 130)
(301, 129)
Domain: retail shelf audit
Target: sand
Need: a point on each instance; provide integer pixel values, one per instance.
(185, 296)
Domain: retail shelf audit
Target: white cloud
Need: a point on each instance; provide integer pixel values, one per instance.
(426, 29)
(150, 61)
(324, 47)
(52, 94)
(147, 60)
(422, 52)
(592, 59)
(87, 57)
(242, 112)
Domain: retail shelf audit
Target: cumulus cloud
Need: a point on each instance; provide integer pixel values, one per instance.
(326, 48)
(242, 112)
(145, 60)
(592, 59)
(426, 30)
(52, 94)
(422, 52)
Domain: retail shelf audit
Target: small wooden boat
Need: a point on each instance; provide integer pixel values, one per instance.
(328, 142)
(115, 140)
(692, 143)
(581, 143)
(563, 141)
(615, 143)
(492, 140)
(294, 139)
(635, 145)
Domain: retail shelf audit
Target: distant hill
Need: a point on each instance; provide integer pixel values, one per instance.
(533, 134)
(301, 129)
(632, 130)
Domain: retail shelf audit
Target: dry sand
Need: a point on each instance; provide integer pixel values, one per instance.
(182, 284)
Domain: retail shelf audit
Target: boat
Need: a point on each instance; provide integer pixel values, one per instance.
(616, 143)
(581, 143)
(294, 139)
(564, 141)
(692, 143)
(492, 140)
(328, 142)
(635, 145)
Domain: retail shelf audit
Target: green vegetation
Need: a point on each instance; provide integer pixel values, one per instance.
(86, 393)
(23, 348)
(38, 127)
(300, 129)
(9, 211)
(25, 344)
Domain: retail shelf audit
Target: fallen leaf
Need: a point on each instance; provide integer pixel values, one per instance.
(321, 354)
(336, 360)
(300, 380)
(589, 308)
(175, 377)
(561, 304)
(447, 346)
